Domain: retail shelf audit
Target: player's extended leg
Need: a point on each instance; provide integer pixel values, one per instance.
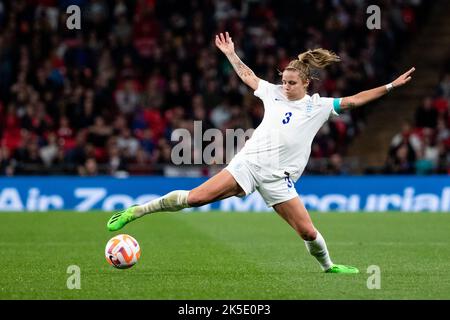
(220, 186)
(295, 213)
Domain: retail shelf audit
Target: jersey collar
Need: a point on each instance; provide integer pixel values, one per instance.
(299, 101)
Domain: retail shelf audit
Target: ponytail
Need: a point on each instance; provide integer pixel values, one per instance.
(317, 58)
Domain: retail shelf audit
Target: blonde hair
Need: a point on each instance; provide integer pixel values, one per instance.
(317, 58)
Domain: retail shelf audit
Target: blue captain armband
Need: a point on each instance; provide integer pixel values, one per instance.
(337, 105)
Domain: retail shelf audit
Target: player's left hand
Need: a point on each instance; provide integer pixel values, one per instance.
(404, 78)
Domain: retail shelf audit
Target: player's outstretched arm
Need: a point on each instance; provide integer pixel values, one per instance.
(364, 97)
(226, 45)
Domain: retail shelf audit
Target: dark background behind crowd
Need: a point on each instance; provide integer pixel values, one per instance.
(105, 99)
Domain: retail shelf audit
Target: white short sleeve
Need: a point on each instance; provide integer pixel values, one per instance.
(332, 104)
(263, 89)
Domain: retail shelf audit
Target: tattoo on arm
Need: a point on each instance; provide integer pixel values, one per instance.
(347, 105)
(351, 105)
(241, 69)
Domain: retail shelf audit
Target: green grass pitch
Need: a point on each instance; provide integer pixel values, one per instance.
(216, 255)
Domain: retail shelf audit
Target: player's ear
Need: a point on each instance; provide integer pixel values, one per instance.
(306, 83)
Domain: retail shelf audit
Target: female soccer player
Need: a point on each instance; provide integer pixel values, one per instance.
(277, 153)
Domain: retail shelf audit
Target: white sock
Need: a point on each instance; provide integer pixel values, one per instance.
(173, 201)
(318, 249)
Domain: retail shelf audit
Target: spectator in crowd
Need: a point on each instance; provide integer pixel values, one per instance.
(116, 162)
(7, 166)
(49, 152)
(409, 136)
(401, 160)
(426, 114)
(128, 144)
(89, 168)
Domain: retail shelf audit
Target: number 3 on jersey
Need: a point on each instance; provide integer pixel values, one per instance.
(288, 116)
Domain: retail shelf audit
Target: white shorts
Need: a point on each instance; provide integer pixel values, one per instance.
(251, 177)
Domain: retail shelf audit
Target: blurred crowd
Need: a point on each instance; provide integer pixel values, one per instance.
(423, 145)
(105, 99)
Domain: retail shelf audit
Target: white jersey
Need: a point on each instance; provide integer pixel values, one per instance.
(282, 142)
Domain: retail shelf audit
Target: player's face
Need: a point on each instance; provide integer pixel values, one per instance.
(293, 86)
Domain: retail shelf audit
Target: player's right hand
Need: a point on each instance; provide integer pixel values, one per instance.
(224, 43)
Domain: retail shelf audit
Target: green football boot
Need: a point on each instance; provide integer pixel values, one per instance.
(339, 268)
(121, 218)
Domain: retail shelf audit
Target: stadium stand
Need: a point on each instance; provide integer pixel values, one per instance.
(105, 99)
(422, 147)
